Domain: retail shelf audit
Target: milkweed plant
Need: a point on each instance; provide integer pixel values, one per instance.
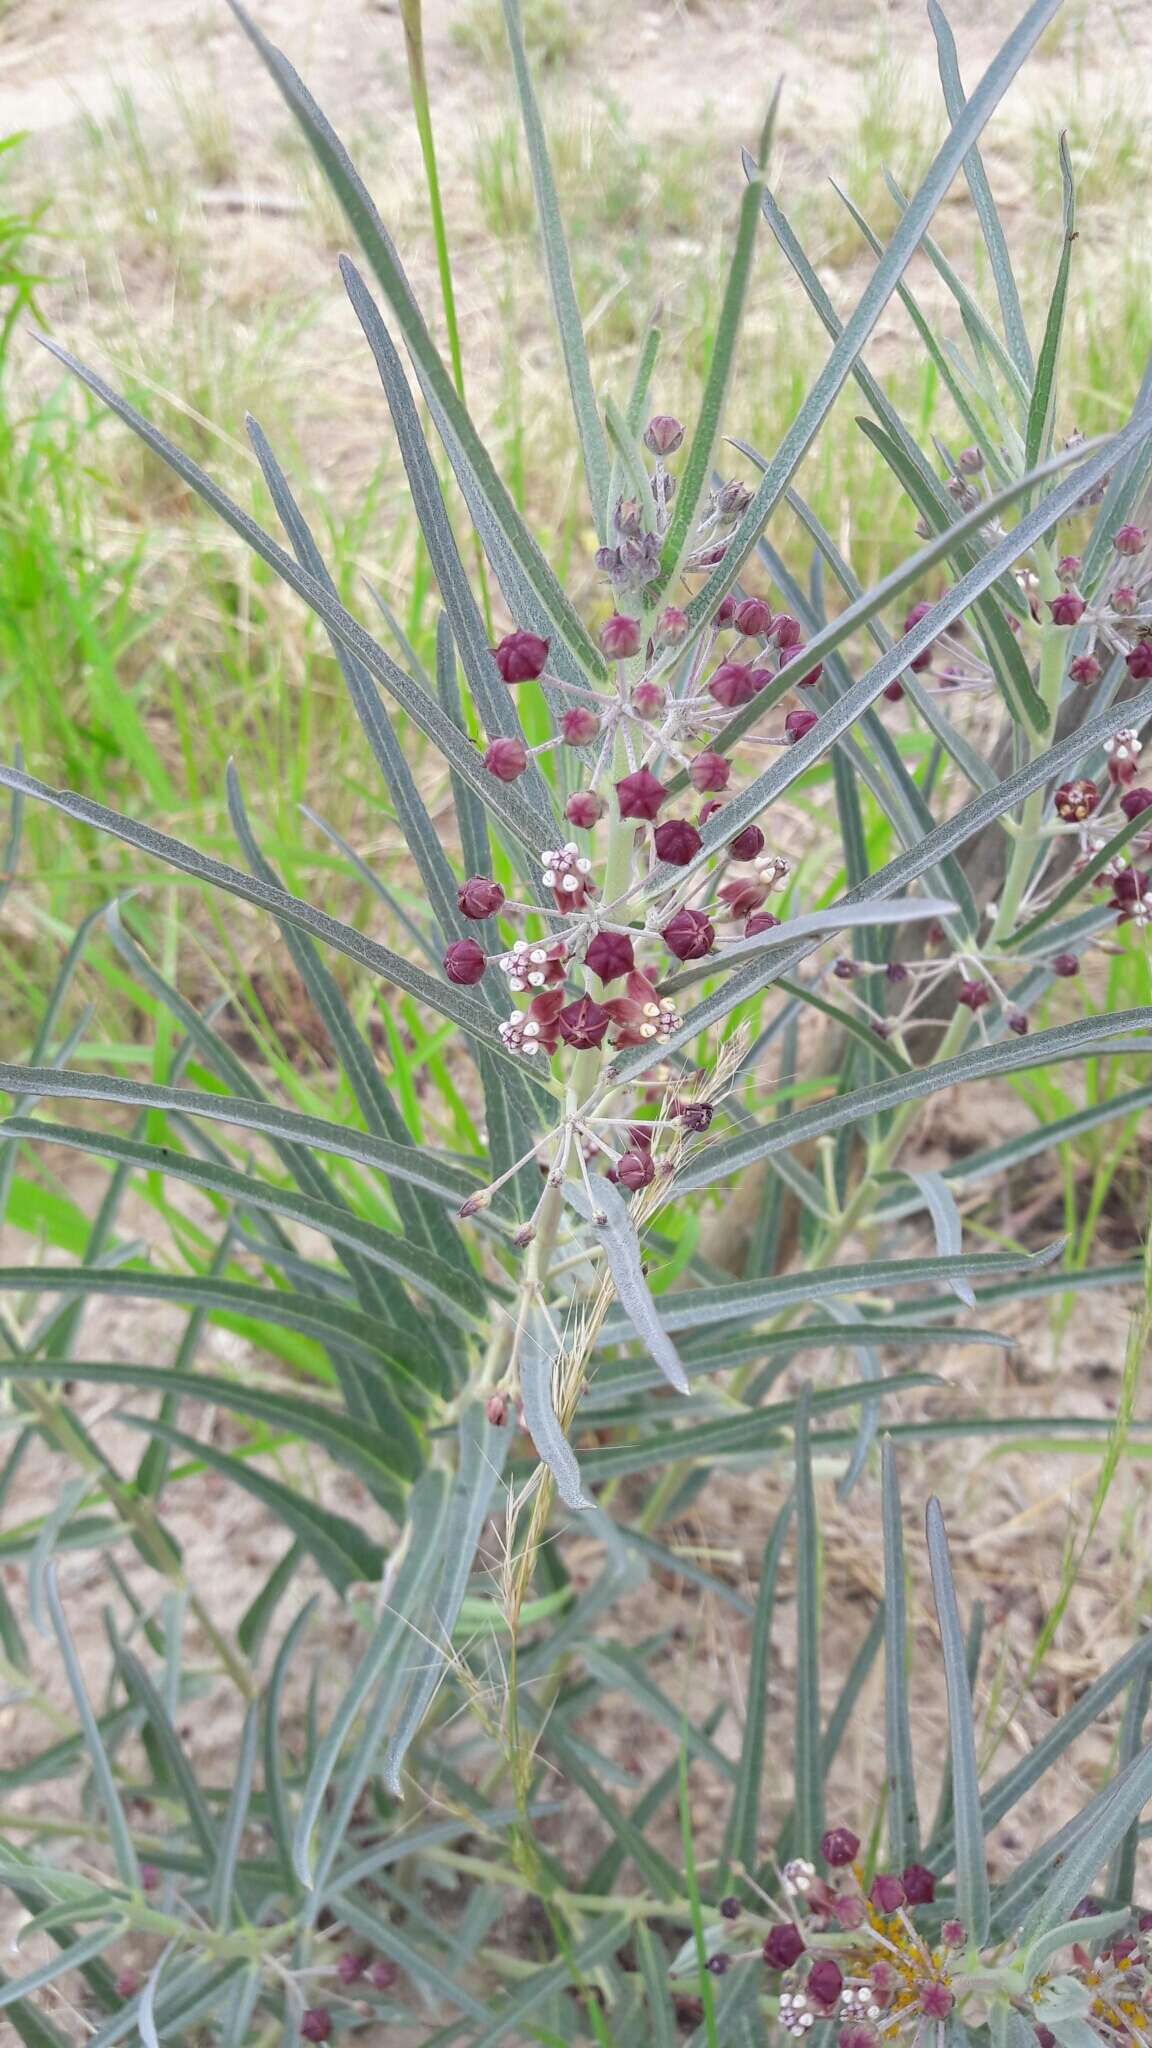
(673, 794)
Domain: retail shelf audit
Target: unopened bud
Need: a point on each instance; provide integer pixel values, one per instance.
(663, 435)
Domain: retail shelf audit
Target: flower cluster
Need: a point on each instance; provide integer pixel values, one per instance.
(1109, 1993)
(616, 919)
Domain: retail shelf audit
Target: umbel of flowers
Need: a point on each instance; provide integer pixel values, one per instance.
(628, 900)
(881, 1960)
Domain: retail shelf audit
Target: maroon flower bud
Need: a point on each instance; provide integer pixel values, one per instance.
(894, 691)
(584, 809)
(689, 935)
(954, 1934)
(857, 2034)
(464, 962)
(1085, 669)
(733, 684)
(752, 618)
(760, 921)
(742, 899)
(1066, 965)
(1017, 1022)
(579, 727)
(813, 676)
(787, 632)
(1129, 540)
(969, 462)
(640, 795)
(895, 971)
(695, 1116)
(730, 1908)
(1045, 2038)
(610, 955)
(127, 1984)
(1067, 609)
(1076, 801)
(725, 612)
(496, 1409)
(973, 994)
(382, 1976)
(672, 625)
(849, 1911)
(521, 656)
(733, 499)
(887, 1893)
(583, 1023)
(1139, 660)
(1068, 568)
(709, 771)
(783, 1947)
(663, 434)
(839, 1847)
(911, 620)
(797, 724)
(635, 1170)
(677, 842)
(620, 637)
(825, 1981)
(149, 1877)
(1135, 802)
(478, 897)
(316, 2025)
(648, 700)
(919, 1884)
(936, 2001)
(506, 759)
(350, 1966)
(844, 969)
(718, 1964)
(747, 844)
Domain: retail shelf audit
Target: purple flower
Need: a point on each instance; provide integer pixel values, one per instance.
(579, 727)
(973, 994)
(747, 844)
(676, 841)
(783, 1947)
(584, 809)
(521, 656)
(583, 1023)
(610, 955)
(1077, 800)
(709, 771)
(919, 1884)
(663, 434)
(639, 795)
(506, 759)
(316, 2024)
(825, 1981)
(478, 897)
(840, 1847)
(887, 1893)
(620, 637)
(1067, 609)
(1066, 965)
(464, 962)
(690, 935)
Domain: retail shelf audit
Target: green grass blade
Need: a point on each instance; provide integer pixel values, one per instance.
(808, 1820)
(900, 1782)
(594, 448)
(1086, 1037)
(418, 704)
(1042, 411)
(443, 1178)
(697, 467)
(742, 1831)
(986, 210)
(119, 1832)
(889, 270)
(377, 246)
(221, 1896)
(342, 1551)
(973, 1903)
